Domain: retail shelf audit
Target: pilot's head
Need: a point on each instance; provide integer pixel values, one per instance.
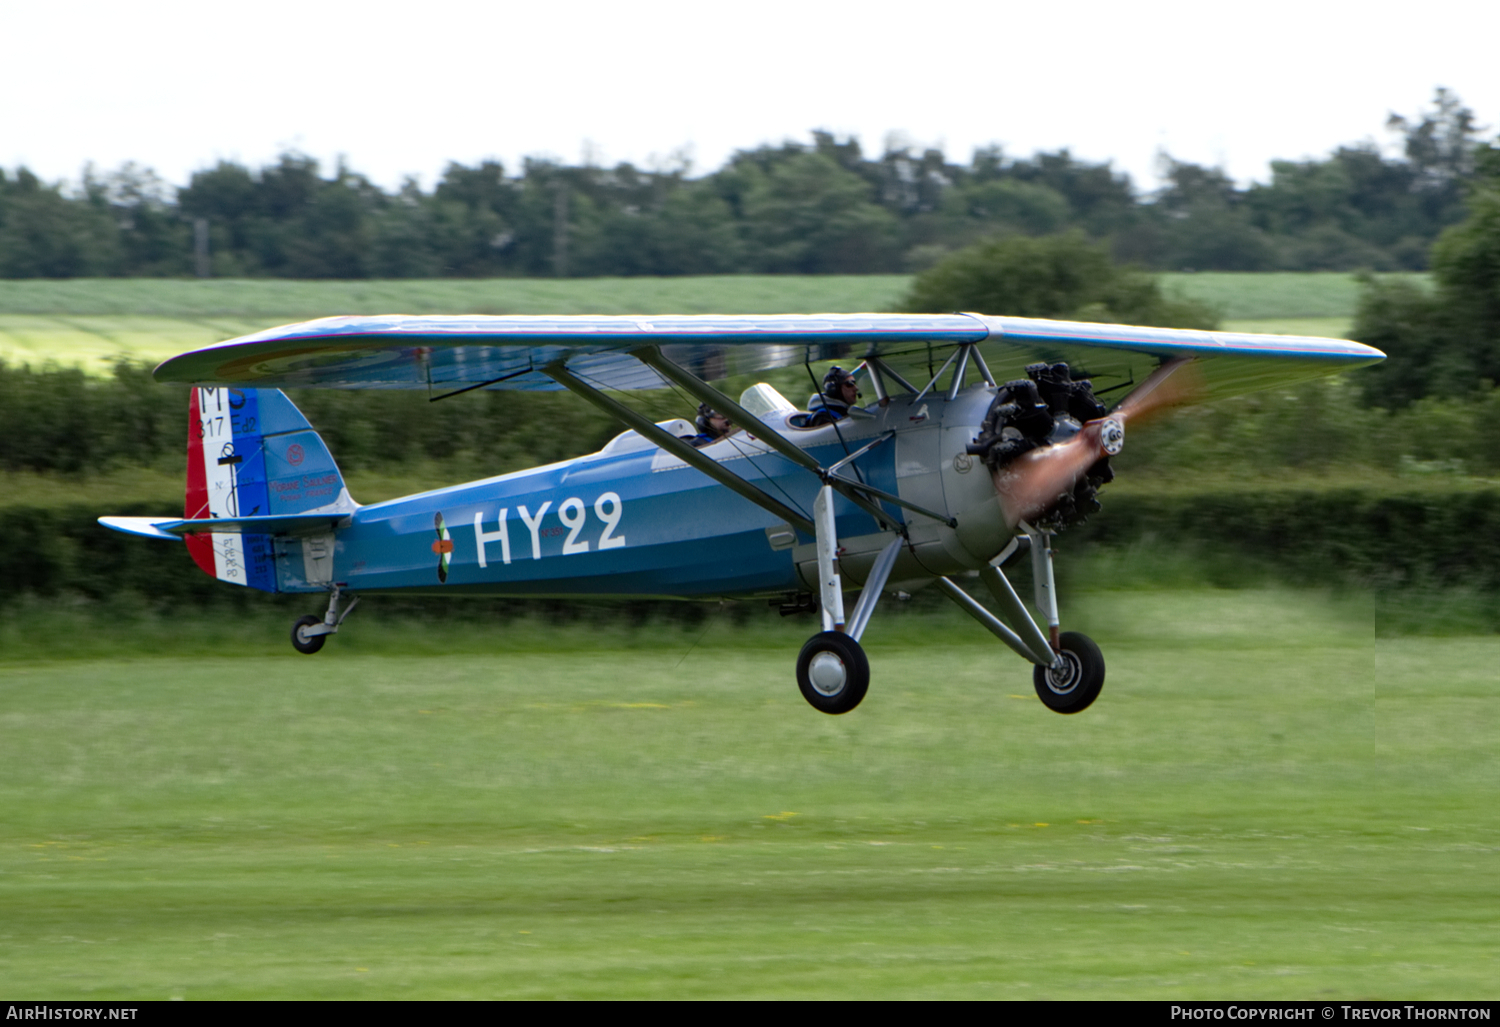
(710, 422)
(840, 385)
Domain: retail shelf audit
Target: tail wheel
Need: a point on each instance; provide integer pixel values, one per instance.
(303, 642)
(1077, 681)
(832, 672)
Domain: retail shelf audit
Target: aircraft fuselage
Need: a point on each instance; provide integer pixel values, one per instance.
(633, 520)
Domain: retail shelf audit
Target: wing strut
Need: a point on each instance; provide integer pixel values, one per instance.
(678, 448)
(703, 392)
(856, 492)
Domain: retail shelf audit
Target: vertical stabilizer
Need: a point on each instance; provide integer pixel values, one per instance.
(251, 453)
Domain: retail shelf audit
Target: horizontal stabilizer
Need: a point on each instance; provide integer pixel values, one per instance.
(146, 527)
(176, 528)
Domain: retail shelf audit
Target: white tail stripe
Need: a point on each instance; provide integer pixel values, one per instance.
(217, 441)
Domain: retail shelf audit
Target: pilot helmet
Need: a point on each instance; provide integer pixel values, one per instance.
(833, 383)
(704, 413)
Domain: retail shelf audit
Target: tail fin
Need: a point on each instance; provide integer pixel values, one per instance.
(251, 453)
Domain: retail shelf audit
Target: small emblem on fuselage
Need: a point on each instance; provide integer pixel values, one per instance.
(443, 547)
(963, 463)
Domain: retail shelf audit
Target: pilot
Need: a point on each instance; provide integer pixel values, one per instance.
(839, 393)
(712, 426)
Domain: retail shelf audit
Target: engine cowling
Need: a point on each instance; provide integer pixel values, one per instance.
(1042, 412)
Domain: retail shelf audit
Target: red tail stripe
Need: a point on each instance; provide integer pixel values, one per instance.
(195, 503)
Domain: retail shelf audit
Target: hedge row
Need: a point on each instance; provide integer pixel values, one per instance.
(1346, 537)
(1387, 542)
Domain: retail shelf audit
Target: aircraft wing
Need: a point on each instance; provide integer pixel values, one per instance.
(452, 353)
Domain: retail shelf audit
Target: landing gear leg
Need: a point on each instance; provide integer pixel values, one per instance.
(1069, 669)
(310, 632)
(1074, 680)
(830, 584)
(831, 669)
(1042, 579)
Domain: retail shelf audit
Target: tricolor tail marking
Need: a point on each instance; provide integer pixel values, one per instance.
(226, 478)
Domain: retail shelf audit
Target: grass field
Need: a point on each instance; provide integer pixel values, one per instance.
(1266, 802)
(1260, 296)
(93, 322)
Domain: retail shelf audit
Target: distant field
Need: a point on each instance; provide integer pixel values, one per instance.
(260, 300)
(96, 322)
(1265, 803)
(93, 322)
(1262, 296)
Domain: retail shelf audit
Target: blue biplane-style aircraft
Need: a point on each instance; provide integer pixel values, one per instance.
(950, 470)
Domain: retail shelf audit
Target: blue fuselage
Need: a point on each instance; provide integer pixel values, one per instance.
(633, 520)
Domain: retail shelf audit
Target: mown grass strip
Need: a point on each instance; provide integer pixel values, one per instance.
(1265, 803)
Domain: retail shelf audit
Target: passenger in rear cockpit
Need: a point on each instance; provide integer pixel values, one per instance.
(712, 426)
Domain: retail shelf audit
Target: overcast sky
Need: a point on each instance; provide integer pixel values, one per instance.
(403, 88)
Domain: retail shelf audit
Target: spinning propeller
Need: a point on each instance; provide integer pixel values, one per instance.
(1029, 485)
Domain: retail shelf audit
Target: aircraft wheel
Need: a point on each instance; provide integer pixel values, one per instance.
(1077, 684)
(832, 672)
(303, 643)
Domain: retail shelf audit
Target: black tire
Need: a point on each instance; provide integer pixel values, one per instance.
(836, 685)
(1081, 681)
(311, 643)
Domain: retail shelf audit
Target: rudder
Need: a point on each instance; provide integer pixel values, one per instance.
(252, 453)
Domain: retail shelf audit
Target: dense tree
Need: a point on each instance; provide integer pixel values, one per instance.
(808, 215)
(1060, 276)
(821, 207)
(1204, 222)
(44, 234)
(1443, 342)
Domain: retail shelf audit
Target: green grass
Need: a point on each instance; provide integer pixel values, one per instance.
(97, 342)
(1241, 296)
(94, 322)
(1259, 296)
(1319, 327)
(260, 299)
(1265, 803)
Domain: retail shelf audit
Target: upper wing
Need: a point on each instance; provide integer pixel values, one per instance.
(455, 352)
(1117, 356)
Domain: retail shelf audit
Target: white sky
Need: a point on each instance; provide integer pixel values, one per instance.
(403, 88)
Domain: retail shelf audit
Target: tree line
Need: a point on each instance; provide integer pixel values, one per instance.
(1432, 405)
(815, 208)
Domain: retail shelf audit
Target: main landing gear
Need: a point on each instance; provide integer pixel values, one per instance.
(1069, 669)
(310, 632)
(834, 674)
(832, 670)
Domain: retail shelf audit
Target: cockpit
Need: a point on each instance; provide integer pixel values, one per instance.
(761, 399)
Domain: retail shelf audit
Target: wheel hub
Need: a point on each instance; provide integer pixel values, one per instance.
(1064, 679)
(827, 675)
